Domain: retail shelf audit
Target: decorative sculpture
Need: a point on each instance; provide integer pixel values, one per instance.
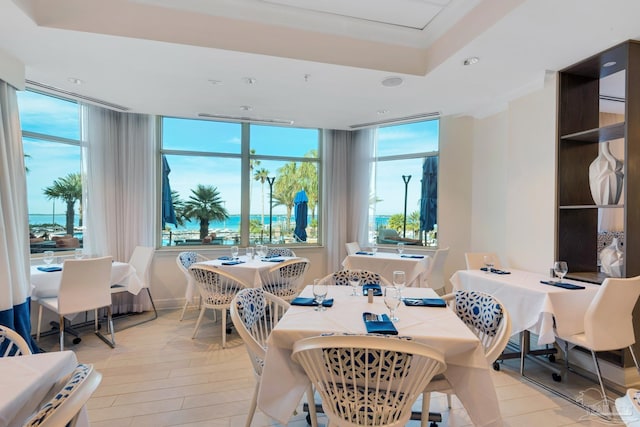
(605, 177)
(612, 259)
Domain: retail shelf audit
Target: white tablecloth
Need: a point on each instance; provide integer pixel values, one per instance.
(532, 305)
(385, 263)
(25, 383)
(46, 284)
(249, 271)
(284, 382)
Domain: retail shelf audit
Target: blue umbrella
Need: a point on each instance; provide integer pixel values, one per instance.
(429, 194)
(300, 203)
(168, 211)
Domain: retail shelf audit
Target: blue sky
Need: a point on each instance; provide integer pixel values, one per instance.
(49, 161)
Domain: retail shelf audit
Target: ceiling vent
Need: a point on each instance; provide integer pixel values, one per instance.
(77, 96)
(246, 119)
(408, 119)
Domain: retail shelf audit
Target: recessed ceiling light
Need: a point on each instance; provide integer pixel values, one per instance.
(307, 77)
(471, 60)
(609, 64)
(249, 80)
(75, 81)
(392, 81)
(246, 107)
(381, 112)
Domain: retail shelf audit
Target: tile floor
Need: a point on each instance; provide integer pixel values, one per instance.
(158, 376)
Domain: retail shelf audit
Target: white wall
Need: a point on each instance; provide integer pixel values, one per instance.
(497, 183)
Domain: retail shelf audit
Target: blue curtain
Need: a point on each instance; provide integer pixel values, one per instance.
(15, 310)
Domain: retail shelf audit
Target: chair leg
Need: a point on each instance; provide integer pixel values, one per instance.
(61, 333)
(195, 331)
(184, 309)
(426, 402)
(39, 323)
(110, 320)
(311, 401)
(224, 328)
(635, 360)
(254, 403)
(604, 394)
(449, 400)
(155, 312)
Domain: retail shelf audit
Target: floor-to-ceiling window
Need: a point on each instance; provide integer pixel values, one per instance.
(404, 180)
(234, 183)
(51, 139)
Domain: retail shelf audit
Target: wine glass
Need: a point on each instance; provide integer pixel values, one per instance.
(392, 297)
(234, 252)
(488, 263)
(78, 253)
(400, 248)
(561, 269)
(48, 257)
(320, 290)
(399, 280)
(354, 281)
(374, 248)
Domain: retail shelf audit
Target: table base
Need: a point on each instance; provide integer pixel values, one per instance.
(434, 417)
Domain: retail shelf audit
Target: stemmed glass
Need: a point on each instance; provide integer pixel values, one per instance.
(320, 290)
(400, 248)
(374, 248)
(260, 251)
(48, 257)
(234, 252)
(488, 263)
(561, 269)
(354, 281)
(399, 280)
(392, 297)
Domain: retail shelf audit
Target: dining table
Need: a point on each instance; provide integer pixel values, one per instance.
(415, 266)
(28, 381)
(284, 382)
(533, 306)
(46, 284)
(247, 270)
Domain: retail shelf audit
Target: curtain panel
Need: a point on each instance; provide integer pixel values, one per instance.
(119, 159)
(15, 310)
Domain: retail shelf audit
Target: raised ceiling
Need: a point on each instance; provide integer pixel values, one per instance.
(316, 63)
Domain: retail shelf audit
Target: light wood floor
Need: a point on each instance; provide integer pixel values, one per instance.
(158, 376)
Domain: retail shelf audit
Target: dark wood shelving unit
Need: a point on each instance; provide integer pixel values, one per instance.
(579, 135)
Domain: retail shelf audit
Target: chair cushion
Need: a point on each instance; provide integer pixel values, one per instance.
(479, 311)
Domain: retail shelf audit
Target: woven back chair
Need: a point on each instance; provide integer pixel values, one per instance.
(285, 279)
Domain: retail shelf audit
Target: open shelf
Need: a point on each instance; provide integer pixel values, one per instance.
(601, 134)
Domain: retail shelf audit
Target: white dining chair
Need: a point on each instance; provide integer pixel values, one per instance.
(217, 288)
(84, 286)
(341, 278)
(352, 247)
(608, 323)
(285, 279)
(475, 260)
(184, 261)
(11, 343)
(272, 252)
(64, 407)
(435, 275)
(489, 320)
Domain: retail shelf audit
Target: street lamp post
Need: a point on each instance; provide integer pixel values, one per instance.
(406, 179)
(270, 180)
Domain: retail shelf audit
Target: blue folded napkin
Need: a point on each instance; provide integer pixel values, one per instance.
(225, 258)
(374, 287)
(273, 259)
(364, 253)
(424, 302)
(379, 324)
(233, 262)
(310, 302)
(412, 256)
(51, 268)
(561, 284)
(496, 271)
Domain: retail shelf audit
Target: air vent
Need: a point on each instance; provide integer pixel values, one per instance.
(55, 90)
(408, 119)
(246, 119)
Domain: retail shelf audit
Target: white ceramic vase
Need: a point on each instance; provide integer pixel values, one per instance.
(605, 177)
(612, 259)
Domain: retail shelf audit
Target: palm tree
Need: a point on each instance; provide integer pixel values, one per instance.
(253, 163)
(69, 190)
(205, 204)
(285, 188)
(178, 206)
(261, 175)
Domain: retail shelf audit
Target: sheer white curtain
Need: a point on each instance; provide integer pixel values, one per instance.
(119, 186)
(347, 160)
(14, 223)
